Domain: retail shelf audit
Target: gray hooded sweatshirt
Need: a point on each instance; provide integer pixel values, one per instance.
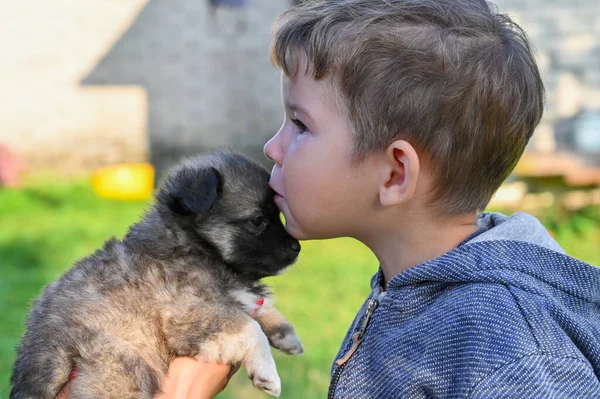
(506, 314)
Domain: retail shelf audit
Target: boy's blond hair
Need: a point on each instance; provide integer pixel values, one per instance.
(452, 77)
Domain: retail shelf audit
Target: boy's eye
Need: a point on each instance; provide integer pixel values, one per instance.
(300, 125)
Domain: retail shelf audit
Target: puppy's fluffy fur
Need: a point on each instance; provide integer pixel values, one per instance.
(182, 282)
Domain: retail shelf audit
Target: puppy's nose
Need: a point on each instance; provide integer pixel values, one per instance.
(296, 246)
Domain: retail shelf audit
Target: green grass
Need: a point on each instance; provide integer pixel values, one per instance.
(45, 228)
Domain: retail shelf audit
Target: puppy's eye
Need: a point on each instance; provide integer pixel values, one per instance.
(258, 221)
(256, 225)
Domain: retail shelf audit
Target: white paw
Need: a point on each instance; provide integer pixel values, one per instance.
(264, 376)
(273, 388)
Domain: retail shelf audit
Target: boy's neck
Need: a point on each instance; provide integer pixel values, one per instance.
(419, 241)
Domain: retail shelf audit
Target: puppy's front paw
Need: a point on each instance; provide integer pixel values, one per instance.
(265, 378)
(273, 388)
(288, 343)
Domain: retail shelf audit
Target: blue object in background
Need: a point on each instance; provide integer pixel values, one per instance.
(587, 131)
(229, 3)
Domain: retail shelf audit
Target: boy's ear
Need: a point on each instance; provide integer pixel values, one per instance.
(191, 192)
(401, 173)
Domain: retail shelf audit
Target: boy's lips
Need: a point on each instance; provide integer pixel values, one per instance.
(276, 192)
(278, 198)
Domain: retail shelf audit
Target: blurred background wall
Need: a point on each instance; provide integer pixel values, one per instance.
(562, 163)
(566, 36)
(97, 82)
(103, 81)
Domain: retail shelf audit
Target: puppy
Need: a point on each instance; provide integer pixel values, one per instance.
(184, 281)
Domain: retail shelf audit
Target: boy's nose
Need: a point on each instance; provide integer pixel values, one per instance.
(273, 150)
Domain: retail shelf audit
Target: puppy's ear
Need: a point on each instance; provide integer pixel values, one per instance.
(191, 192)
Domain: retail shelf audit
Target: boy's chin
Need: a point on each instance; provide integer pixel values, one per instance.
(300, 234)
(294, 231)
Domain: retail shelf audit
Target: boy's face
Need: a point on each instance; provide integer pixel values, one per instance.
(320, 193)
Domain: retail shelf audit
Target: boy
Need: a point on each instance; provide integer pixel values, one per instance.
(402, 118)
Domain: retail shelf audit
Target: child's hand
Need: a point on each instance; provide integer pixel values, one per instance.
(188, 378)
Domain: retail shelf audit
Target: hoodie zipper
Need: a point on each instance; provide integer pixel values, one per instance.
(356, 340)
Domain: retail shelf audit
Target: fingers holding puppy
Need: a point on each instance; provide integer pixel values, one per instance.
(192, 378)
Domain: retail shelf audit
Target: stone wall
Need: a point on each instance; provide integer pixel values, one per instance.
(207, 74)
(106, 81)
(566, 35)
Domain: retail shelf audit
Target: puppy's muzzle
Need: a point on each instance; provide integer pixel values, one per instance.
(296, 247)
(292, 251)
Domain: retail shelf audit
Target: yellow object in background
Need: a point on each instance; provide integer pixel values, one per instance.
(131, 181)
